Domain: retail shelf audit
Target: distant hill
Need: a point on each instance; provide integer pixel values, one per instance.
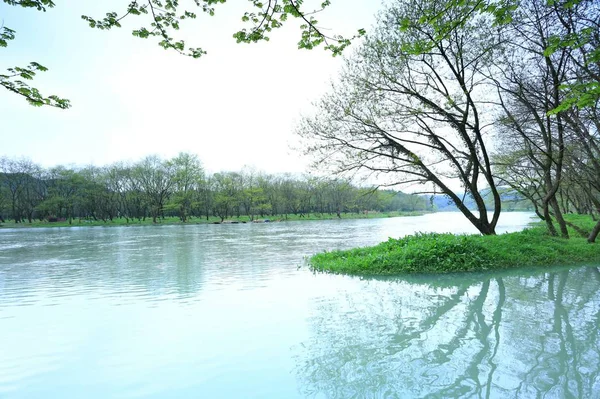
(511, 201)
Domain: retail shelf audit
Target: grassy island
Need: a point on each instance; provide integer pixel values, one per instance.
(446, 253)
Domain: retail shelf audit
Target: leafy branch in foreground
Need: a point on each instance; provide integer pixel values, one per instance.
(39, 4)
(275, 14)
(12, 82)
(166, 16)
(163, 18)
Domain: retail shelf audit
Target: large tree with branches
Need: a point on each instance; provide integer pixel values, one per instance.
(411, 103)
(549, 141)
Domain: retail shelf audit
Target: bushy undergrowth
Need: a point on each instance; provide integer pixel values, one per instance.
(445, 253)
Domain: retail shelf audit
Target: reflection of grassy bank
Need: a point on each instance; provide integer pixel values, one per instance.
(443, 253)
(203, 220)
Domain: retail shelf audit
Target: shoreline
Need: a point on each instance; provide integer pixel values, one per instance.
(176, 221)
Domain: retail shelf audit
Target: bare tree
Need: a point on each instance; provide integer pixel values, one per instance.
(412, 103)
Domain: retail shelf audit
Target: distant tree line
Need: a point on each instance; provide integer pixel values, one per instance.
(156, 188)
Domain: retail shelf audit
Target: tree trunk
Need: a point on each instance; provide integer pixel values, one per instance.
(559, 218)
(548, 220)
(592, 238)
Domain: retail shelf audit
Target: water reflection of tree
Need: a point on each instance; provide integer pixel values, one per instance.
(472, 336)
(566, 361)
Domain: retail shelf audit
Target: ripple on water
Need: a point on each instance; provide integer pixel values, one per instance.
(209, 311)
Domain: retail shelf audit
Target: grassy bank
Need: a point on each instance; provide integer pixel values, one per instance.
(211, 220)
(445, 253)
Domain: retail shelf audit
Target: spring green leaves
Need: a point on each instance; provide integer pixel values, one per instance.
(15, 79)
(6, 35)
(273, 14)
(161, 19)
(582, 39)
(40, 5)
(164, 18)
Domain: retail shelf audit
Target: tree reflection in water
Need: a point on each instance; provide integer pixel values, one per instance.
(515, 334)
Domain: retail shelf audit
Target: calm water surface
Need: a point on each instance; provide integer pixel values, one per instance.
(228, 311)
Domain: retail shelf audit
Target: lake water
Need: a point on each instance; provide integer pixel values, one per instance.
(229, 311)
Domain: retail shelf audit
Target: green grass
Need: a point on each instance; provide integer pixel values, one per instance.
(197, 220)
(447, 253)
(583, 221)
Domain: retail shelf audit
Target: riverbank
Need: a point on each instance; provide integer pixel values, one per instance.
(447, 253)
(170, 221)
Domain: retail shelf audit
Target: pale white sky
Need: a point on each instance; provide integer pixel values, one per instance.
(236, 106)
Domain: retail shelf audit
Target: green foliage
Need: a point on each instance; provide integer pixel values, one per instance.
(578, 95)
(273, 15)
(164, 17)
(6, 35)
(40, 5)
(447, 253)
(580, 38)
(12, 81)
